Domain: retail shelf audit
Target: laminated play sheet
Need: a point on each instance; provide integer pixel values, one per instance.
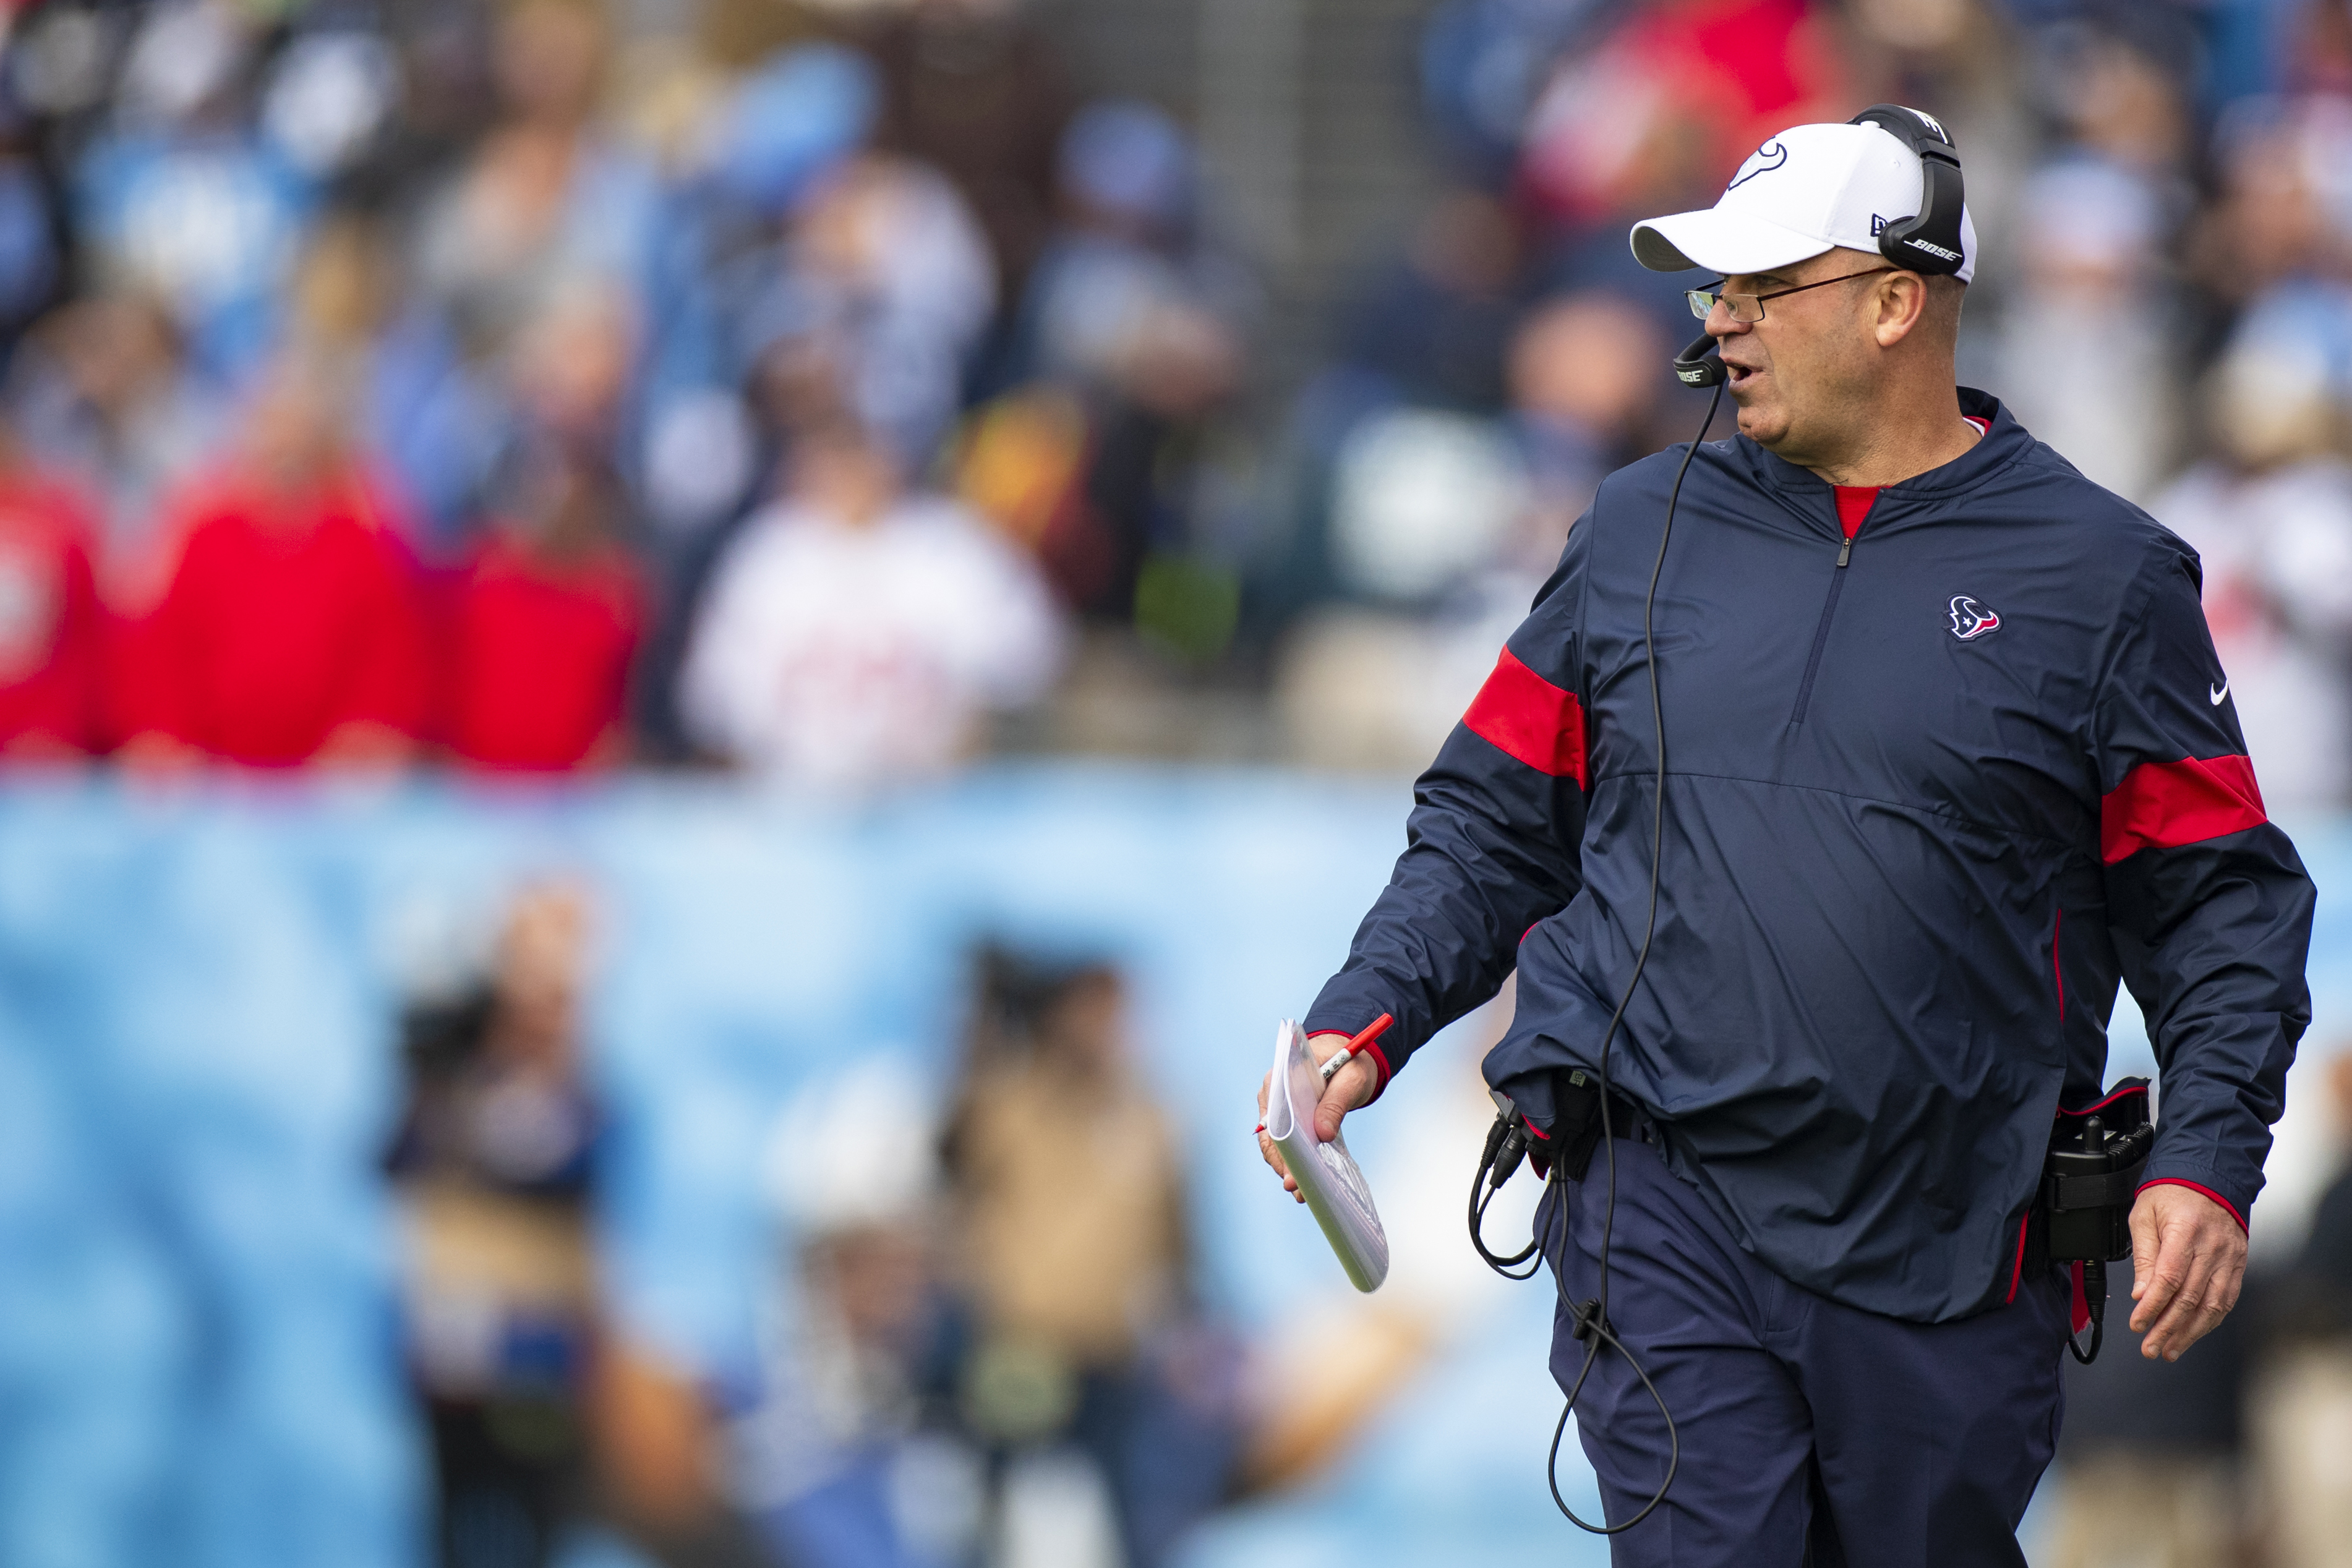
(1335, 1190)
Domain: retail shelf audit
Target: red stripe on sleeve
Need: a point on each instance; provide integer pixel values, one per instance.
(1530, 719)
(2163, 805)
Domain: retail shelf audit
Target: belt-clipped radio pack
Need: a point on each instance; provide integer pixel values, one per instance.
(2089, 1180)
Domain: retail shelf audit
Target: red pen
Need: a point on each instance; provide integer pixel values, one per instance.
(1347, 1053)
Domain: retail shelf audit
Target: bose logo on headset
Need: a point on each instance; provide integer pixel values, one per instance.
(1878, 227)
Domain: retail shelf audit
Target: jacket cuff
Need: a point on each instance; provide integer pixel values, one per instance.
(1380, 1058)
(2202, 1181)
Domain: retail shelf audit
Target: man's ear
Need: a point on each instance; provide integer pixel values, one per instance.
(1902, 299)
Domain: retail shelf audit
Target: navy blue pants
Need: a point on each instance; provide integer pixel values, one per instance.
(1812, 1433)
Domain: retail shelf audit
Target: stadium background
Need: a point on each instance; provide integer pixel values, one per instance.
(434, 1132)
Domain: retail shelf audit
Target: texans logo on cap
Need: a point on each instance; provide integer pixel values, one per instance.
(1971, 620)
(1764, 160)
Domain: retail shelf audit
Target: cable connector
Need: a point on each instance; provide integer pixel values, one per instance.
(1495, 1136)
(1506, 1144)
(1513, 1150)
(1587, 1317)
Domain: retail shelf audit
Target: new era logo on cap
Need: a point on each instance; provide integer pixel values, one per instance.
(1831, 185)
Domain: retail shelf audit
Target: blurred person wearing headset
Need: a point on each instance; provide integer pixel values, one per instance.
(1857, 806)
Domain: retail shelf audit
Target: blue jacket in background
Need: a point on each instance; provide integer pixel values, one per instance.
(1931, 793)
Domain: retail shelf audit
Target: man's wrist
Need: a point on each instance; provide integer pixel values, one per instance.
(1370, 1051)
(2231, 1209)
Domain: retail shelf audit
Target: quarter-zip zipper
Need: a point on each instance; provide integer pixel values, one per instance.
(1822, 632)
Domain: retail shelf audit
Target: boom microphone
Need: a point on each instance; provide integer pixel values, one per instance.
(1700, 365)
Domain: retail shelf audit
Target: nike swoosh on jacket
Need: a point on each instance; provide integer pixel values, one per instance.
(1904, 873)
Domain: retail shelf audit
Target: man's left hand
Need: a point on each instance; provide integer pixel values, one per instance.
(2188, 1259)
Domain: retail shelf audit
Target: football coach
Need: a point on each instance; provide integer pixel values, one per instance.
(1948, 756)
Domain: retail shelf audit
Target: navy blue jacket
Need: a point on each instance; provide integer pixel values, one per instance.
(1931, 793)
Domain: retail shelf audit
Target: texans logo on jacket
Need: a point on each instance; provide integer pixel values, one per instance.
(1971, 620)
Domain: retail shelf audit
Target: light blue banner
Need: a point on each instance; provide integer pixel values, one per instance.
(198, 1359)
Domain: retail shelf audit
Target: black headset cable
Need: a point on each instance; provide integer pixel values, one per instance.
(1598, 1331)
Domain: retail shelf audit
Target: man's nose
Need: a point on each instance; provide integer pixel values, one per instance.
(1719, 323)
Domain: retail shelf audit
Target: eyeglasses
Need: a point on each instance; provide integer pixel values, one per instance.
(1749, 307)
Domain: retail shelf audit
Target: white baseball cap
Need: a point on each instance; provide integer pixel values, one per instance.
(1811, 188)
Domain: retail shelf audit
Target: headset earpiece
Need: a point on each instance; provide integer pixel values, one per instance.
(1700, 365)
(1930, 241)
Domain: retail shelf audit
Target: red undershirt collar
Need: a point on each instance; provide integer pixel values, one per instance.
(1854, 501)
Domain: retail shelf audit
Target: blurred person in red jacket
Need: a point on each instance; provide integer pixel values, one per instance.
(291, 631)
(51, 630)
(548, 614)
(546, 626)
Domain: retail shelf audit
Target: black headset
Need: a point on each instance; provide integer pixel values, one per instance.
(1928, 242)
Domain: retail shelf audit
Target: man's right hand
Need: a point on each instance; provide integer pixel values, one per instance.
(1348, 1088)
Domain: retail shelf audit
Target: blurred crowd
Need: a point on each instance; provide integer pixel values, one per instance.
(554, 384)
(985, 1347)
(514, 386)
